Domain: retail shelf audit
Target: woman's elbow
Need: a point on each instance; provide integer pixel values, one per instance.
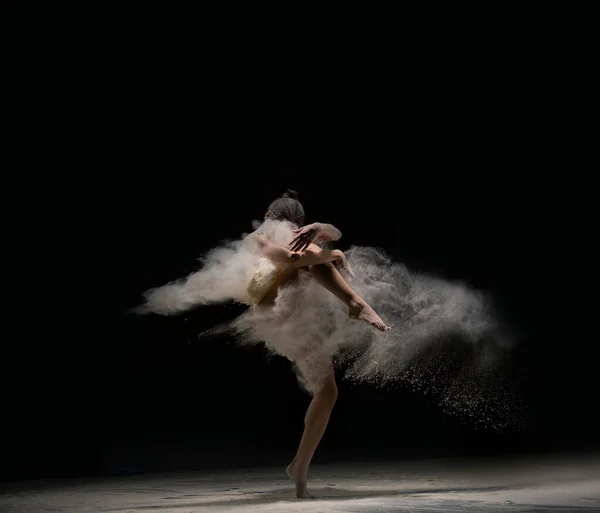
(333, 233)
(331, 236)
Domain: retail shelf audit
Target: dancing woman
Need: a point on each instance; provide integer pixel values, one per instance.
(281, 272)
(308, 354)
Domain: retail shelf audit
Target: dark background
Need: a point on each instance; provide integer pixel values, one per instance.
(452, 168)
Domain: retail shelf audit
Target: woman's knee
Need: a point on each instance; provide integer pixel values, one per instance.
(329, 391)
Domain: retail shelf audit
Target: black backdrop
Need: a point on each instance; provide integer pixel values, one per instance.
(161, 162)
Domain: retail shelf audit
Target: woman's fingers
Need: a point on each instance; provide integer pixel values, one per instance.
(295, 240)
(301, 241)
(301, 245)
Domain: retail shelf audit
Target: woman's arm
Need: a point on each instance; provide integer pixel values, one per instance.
(313, 255)
(315, 232)
(327, 233)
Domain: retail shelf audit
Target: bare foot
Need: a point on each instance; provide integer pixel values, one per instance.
(299, 478)
(360, 310)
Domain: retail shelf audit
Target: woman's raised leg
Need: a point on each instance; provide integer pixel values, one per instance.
(330, 278)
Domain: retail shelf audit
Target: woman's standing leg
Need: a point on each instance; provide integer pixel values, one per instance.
(315, 422)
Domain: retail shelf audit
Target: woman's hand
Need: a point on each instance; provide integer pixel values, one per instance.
(305, 236)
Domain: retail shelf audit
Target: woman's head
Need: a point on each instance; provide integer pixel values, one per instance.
(287, 208)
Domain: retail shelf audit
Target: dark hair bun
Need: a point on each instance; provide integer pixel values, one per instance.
(290, 194)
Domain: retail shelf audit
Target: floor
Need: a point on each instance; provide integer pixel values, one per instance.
(550, 484)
